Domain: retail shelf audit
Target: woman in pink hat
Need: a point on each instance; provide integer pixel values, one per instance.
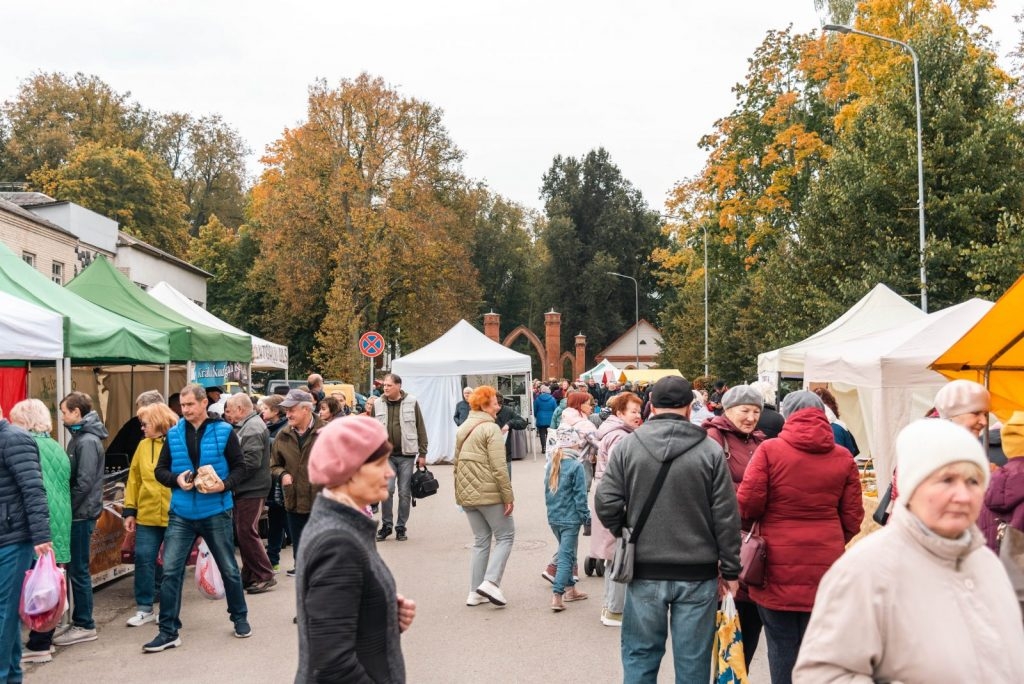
(342, 583)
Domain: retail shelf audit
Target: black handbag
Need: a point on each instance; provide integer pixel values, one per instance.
(423, 484)
(881, 514)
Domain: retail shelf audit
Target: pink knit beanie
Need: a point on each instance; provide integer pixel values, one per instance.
(959, 397)
(343, 446)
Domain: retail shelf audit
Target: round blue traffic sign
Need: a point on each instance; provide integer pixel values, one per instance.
(371, 344)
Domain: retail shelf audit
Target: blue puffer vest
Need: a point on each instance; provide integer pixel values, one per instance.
(193, 505)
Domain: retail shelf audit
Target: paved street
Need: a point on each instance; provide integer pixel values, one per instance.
(448, 643)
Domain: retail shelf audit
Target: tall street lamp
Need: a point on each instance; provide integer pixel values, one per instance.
(920, 157)
(706, 357)
(636, 325)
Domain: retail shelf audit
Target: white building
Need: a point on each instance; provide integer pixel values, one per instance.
(625, 350)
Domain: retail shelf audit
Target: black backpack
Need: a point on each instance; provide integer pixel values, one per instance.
(423, 484)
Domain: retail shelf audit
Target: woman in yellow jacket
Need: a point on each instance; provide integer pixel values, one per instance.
(146, 503)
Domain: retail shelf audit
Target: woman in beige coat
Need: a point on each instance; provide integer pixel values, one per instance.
(923, 599)
(484, 491)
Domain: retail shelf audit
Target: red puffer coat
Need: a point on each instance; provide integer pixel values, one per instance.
(805, 491)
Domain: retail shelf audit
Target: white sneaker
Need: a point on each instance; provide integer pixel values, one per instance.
(491, 592)
(75, 635)
(140, 618)
(475, 599)
(610, 619)
(28, 656)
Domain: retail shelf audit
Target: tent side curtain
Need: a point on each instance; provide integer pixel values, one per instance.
(29, 332)
(104, 285)
(91, 333)
(266, 355)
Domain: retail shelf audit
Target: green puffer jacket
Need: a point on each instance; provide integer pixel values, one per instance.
(481, 474)
(56, 469)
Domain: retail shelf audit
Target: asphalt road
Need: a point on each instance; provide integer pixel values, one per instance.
(448, 643)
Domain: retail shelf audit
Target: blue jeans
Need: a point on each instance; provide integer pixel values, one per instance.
(15, 559)
(651, 607)
(218, 532)
(147, 575)
(78, 573)
(784, 630)
(568, 539)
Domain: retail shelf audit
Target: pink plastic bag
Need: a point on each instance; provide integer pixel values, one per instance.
(208, 578)
(43, 595)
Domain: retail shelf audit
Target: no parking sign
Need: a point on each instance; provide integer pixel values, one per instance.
(371, 344)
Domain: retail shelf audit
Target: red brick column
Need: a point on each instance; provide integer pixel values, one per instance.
(492, 326)
(580, 362)
(552, 343)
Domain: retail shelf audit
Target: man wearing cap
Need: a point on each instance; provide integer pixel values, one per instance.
(289, 460)
(251, 492)
(199, 507)
(399, 412)
(692, 535)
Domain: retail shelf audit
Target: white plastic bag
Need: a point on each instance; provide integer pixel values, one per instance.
(208, 578)
(43, 586)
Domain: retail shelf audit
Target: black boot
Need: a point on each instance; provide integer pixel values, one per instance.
(384, 532)
(400, 534)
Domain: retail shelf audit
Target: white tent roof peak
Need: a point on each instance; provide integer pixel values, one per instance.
(880, 309)
(463, 350)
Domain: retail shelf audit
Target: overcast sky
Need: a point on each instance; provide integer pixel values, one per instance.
(519, 81)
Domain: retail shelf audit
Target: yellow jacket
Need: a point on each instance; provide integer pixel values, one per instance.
(144, 497)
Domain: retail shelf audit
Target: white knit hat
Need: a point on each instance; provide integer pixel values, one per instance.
(927, 445)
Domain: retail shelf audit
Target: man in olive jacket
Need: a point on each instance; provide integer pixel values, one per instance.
(24, 524)
(289, 460)
(692, 534)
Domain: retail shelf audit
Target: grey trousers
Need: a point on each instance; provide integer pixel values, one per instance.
(488, 521)
(614, 592)
(403, 467)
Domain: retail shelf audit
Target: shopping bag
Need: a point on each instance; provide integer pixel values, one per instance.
(43, 595)
(128, 548)
(729, 667)
(208, 578)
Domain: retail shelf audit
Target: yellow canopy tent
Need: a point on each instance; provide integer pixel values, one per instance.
(992, 353)
(647, 375)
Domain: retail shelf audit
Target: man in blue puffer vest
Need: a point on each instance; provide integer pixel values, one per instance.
(199, 507)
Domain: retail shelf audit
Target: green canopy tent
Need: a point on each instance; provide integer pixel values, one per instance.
(104, 285)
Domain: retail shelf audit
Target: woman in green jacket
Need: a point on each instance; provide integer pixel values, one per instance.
(32, 415)
(484, 490)
(146, 503)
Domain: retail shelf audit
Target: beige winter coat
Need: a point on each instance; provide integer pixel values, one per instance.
(905, 605)
(481, 474)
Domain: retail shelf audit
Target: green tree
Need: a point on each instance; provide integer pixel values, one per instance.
(125, 185)
(597, 222)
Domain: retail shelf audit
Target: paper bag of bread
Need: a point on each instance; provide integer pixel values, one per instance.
(206, 479)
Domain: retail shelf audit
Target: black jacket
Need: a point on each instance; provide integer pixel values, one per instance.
(24, 515)
(87, 464)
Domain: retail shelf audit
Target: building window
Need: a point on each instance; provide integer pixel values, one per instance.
(29, 258)
(57, 273)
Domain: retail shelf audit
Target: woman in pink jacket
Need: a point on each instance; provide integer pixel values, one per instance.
(624, 419)
(807, 513)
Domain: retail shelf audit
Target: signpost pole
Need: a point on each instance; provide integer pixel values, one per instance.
(371, 345)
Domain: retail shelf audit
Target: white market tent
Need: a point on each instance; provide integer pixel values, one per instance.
(602, 370)
(878, 310)
(29, 332)
(883, 381)
(265, 355)
(433, 374)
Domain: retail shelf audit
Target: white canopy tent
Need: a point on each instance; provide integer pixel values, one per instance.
(880, 309)
(29, 332)
(266, 355)
(602, 370)
(883, 382)
(433, 374)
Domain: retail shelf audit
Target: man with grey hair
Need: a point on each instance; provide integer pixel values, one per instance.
(399, 412)
(127, 439)
(251, 491)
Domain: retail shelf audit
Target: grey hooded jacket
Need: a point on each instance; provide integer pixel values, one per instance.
(87, 463)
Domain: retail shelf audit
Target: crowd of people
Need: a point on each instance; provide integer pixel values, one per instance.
(687, 476)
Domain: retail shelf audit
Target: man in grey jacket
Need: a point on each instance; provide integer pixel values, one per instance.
(251, 492)
(692, 534)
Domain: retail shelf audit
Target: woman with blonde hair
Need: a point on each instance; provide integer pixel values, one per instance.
(484, 490)
(565, 494)
(32, 415)
(146, 505)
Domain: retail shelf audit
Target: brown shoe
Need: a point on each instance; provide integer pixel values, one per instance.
(262, 587)
(556, 603)
(574, 594)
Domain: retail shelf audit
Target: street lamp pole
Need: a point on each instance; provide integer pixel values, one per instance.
(636, 325)
(920, 156)
(706, 357)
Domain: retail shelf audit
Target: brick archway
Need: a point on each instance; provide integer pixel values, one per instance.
(569, 358)
(523, 331)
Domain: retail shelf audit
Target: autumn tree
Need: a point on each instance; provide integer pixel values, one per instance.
(359, 216)
(597, 222)
(125, 185)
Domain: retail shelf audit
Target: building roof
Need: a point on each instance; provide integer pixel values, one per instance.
(625, 346)
(126, 240)
(27, 199)
(18, 210)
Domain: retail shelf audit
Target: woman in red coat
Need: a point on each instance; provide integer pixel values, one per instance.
(807, 513)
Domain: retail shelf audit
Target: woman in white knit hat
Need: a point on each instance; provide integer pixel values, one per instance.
(921, 600)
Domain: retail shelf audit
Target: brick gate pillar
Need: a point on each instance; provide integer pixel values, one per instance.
(580, 362)
(492, 326)
(552, 343)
